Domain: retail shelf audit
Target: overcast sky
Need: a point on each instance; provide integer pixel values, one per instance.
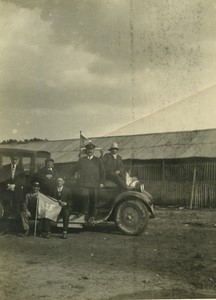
(96, 65)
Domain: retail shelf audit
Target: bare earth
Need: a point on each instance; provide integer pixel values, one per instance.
(174, 258)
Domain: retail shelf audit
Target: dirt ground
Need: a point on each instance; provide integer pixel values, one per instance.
(174, 258)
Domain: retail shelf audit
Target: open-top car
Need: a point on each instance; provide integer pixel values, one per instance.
(130, 210)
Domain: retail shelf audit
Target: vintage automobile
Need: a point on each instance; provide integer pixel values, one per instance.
(130, 210)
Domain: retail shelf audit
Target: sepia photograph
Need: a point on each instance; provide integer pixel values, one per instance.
(107, 149)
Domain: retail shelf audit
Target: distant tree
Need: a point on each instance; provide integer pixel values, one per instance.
(25, 141)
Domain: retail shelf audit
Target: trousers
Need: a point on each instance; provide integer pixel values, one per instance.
(65, 214)
(89, 197)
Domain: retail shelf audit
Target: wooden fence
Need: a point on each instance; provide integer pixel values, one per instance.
(181, 171)
(171, 184)
(179, 193)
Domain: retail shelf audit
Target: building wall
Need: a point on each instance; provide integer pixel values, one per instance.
(180, 182)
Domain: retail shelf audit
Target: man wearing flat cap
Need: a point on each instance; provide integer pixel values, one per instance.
(12, 180)
(29, 207)
(114, 166)
(46, 177)
(92, 177)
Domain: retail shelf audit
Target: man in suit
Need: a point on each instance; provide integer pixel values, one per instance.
(114, 167)
(63, 195)
(92, 176)
(46, 177)
(12, 180)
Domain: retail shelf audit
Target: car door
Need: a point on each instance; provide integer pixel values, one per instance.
(106, 196)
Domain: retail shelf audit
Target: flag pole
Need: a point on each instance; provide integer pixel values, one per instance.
(80, 144)
(35, 222)
(80, 139)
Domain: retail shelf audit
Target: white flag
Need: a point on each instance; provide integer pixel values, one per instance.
(48, 207)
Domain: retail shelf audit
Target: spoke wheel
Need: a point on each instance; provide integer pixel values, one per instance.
(131, 217)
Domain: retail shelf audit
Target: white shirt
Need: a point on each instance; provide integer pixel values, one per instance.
(13, 170)
(114, 155)
(90, 157)
(60, 188)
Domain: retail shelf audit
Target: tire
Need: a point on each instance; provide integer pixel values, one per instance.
(131, 217)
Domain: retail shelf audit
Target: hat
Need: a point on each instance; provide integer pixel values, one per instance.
(49, 159)
(90, 145)
(60, 177)
(114, 146)
(36, 184)
(14, 156)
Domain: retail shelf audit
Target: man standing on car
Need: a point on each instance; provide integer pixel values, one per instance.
(92, 176)
(12, 180)
(63, 195)
(114, 167)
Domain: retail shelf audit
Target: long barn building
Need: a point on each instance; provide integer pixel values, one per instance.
(178, 168)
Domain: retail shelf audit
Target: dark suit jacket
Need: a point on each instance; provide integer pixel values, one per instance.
(47, 184)
(65, 195)
(6, 177)
(91, 171)
(111, 164)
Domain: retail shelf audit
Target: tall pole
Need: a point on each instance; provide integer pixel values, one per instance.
(193, 187)
(36, 215)
(80, 144)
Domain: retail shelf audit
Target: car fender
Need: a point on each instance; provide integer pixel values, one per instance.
(132, 194)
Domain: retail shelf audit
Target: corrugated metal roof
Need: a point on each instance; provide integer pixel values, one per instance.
(169, 145)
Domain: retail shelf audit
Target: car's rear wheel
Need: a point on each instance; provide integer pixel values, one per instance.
(131, 217)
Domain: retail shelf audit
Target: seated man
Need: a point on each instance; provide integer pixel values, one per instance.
(29, 207)
(63, 195)
(114, 167)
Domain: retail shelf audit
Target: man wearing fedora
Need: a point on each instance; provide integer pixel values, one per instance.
(12, 180)
(46, 177)
(91, 178)
(114, 166)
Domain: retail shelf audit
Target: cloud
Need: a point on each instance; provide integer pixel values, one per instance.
(153, 32)
(38, 73)
(100, 64)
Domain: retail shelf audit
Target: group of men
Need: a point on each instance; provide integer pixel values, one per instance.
(92, 172)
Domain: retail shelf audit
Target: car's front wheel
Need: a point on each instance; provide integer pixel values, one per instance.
(131, 217)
